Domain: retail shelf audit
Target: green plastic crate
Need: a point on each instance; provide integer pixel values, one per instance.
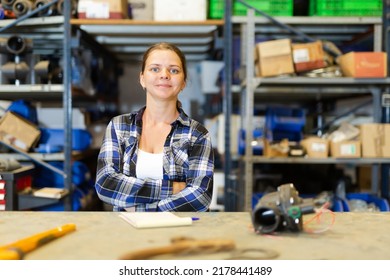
(345, 8)
(271, 7)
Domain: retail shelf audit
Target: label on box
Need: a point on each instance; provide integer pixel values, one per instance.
(98, 10)
(141, 9)
(347, 149)
(180, 10)
(318, 147)
(94, 10)
(9, 139)
(301, 55)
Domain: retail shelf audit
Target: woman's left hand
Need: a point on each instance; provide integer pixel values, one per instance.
(178, 187)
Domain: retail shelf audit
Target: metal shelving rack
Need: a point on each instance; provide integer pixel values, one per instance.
(311, 88)
(127, 39)
(50, 34)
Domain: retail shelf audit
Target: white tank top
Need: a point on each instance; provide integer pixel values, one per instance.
(149, 165)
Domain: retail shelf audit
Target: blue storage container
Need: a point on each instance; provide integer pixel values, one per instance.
(257, 148)
(52, 140)
(48, 178)
(285, 119)
(338, 205)
(278, 135)
(24, 109)
(381, 203)
(255, 199)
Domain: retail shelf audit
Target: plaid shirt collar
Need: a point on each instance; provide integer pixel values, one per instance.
(183, 119)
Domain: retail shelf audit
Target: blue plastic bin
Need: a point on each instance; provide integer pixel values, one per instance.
(52, 140)
(255, 199)
(381, 203)
(278, 135)
(24, 109)
(285, 119)
(257, 149)
(47, 178)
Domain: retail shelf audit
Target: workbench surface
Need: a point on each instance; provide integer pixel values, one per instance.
(106, 236)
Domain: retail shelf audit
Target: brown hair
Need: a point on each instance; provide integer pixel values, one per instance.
(166, 46)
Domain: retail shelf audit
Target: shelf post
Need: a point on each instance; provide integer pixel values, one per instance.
(229, 193)
(385, 168)
(67, 105)
(248, 118)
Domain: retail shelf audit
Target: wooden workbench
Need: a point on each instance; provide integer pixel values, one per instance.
(105, 236)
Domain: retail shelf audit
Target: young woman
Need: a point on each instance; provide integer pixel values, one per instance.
(157, 159)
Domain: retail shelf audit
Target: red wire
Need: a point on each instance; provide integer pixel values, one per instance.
(318, 218)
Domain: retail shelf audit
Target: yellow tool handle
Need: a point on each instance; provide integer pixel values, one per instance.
(18, 249)
(9, 255)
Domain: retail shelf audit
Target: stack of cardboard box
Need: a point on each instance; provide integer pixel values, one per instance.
(282, 57)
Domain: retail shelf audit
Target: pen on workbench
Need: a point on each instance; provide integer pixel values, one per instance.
(18, 249)
(195, 218)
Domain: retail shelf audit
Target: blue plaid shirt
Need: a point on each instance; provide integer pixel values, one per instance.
(188, 157)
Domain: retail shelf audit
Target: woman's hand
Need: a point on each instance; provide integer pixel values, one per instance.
(178, 187)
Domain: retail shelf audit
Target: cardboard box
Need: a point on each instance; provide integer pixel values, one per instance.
(375, 139)
(102, 9)
(180, 10)
(274, 58)
(316, 147)
(279, 149)
(18, 131)
(364, 64)
(308, 56)
(141, 9)
(346, 149)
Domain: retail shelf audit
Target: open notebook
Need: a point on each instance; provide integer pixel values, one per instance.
(155, 219)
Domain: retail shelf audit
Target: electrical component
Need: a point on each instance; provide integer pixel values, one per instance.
(281, 210)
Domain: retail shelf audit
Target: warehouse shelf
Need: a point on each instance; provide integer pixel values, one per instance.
(48, 156)
(42, 92)
(333, 29)
(128, 39)
(47, 32)
(30, 89)
(288, 88)
(297, 160)
(50, 36)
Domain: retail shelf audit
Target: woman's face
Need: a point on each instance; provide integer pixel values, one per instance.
(163, 77)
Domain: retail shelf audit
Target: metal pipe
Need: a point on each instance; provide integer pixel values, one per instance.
(22, 7)
(28, 15)
(17, 45)
(7, 4)
(38, 161)
(15, 71)
(60, 7)
(50, 11)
